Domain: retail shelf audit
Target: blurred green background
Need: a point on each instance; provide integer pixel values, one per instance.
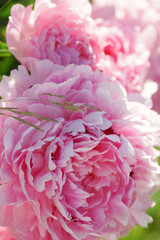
(8, 62)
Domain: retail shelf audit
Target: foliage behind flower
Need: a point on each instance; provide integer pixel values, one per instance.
(89, 174)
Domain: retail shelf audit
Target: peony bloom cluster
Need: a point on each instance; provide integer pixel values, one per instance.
(52, 31)
(144, 16)
(85, 172)
(64, 35)
(124, 55)
(77, 136)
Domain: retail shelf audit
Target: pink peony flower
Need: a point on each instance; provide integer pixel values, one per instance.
(89, 168)
(5, 234)
(123, 54)
(145, 16)
(53, 31)
(143, 10)
(63, 34)
(2, 120)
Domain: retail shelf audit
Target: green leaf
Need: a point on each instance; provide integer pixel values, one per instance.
(53, 95)
(8, 108)
(5, 5)
(27, 113)
(69, 103)
(3, 45)
(5, 53)
(91, 107)
(70, 107)
(73, 107)
(156, 147)
(7, 64)
(23, 121)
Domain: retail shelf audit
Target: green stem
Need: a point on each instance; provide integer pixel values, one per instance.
(5, 5)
